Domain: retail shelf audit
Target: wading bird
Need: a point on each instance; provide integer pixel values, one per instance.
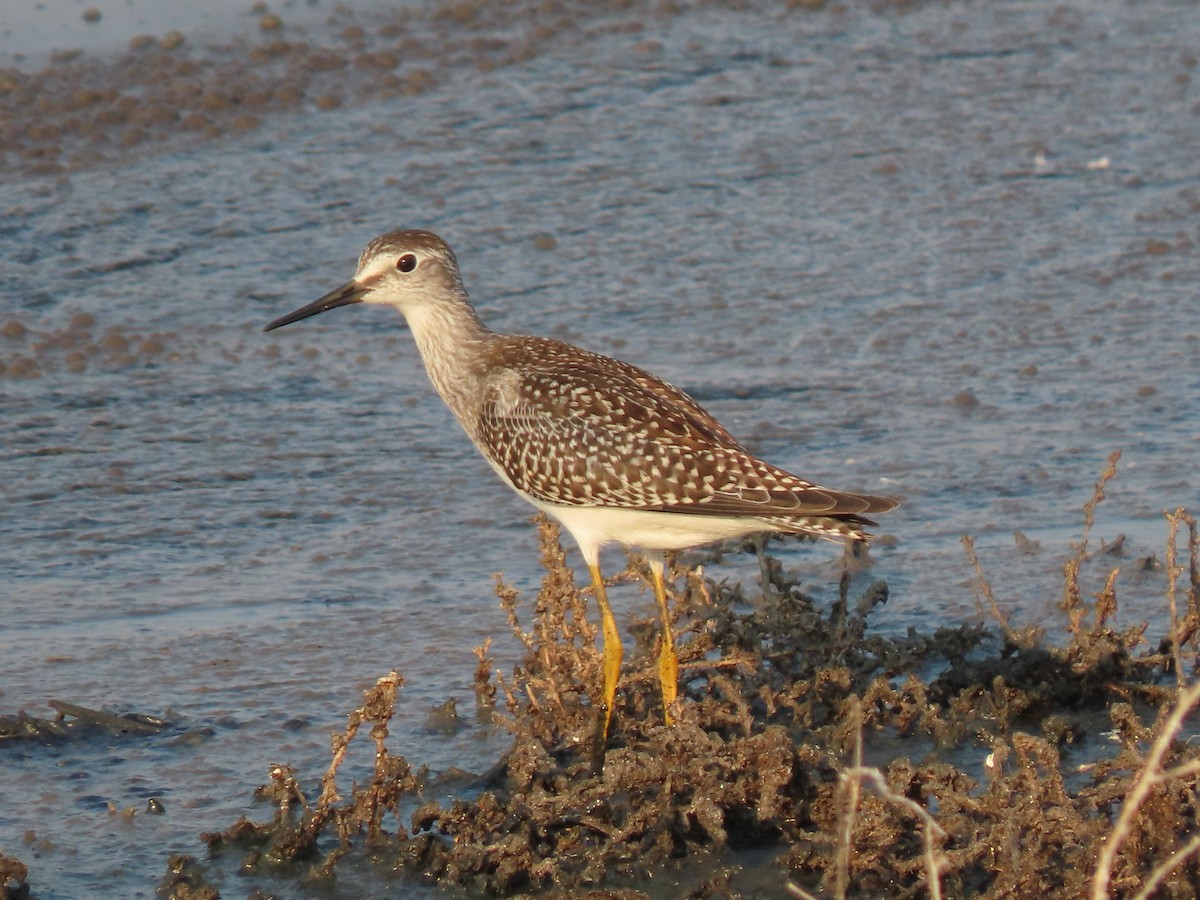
(609, 450)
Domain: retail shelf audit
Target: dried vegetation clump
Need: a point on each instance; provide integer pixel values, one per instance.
(1017, 769)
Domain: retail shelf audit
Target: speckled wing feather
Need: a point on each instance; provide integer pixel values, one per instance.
(571, 427)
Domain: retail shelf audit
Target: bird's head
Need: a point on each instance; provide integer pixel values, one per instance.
(410, 270)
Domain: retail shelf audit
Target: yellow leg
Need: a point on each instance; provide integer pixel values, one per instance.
(612, 656)
(668, 662)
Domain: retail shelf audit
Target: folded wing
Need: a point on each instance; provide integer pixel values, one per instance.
(598, 432)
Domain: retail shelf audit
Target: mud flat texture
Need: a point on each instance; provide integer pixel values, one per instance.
(785, 708)
(941, 251)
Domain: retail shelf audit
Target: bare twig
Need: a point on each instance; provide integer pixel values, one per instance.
(1072, 596)
(852, 780)
(1166, 867)
(985, 588)
(485, 691)
(931, 830)
(1106, 603)
(1183, 770)
(853, 789)
(1174, 570)
(1193, 565)
(1089, 508)
(384, 692)
(1147, 780)
(796, 891)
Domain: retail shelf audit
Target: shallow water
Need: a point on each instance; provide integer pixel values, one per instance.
(946, 254)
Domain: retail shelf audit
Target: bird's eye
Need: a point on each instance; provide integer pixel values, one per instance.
(406, 263)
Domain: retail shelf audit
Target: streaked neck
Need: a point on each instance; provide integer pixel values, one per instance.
(451, 338)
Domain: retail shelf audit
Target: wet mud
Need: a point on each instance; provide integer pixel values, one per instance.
(164, 93)
(942, 251)
(76, 722)
(841, 753)
(79, 345)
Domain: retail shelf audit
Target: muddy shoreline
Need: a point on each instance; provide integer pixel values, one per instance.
(163, 94)
(945, 252)
(802, 736)
(782, 704)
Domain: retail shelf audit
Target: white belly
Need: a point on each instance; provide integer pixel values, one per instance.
(594, 526)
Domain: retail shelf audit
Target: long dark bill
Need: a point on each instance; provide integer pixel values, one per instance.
(350, 292)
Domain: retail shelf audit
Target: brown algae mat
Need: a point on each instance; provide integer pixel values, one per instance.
(1085, 785)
